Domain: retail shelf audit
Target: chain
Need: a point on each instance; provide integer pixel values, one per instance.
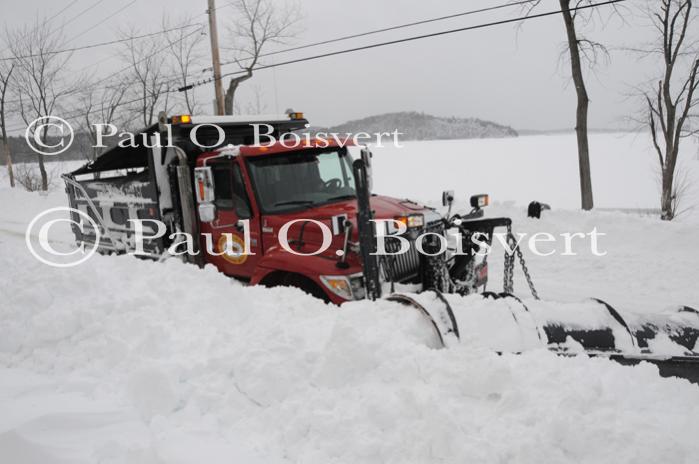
(485, 264)
(439, 274)
(527, 276)
(508, 275)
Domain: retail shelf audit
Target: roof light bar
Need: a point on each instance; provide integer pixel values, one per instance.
(182, 119)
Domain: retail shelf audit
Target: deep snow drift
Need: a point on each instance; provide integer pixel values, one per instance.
(123, 360)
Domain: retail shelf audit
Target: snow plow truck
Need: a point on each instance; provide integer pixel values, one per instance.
(304, 215)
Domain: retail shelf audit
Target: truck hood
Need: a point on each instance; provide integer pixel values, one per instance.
(384, 208)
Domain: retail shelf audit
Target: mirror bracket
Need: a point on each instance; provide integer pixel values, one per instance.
(207, 212)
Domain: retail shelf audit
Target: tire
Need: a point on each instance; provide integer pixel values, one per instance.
(305, 284)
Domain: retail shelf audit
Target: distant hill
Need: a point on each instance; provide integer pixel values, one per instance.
(413, 125)
(421, 126)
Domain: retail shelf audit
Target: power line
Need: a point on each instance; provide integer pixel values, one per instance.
(160, 50)
(82, 13)
(130, 65)
(102, 21)
(386, 29)
(351, 50)
(55, 15)
(62, 10)
(110, 42)
(85, 47)
(407, 39)
(100, 44)
(79, 112)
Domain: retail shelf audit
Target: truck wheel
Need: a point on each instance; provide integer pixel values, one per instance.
(305, 284)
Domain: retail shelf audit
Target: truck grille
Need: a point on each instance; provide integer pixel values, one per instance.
(401, 267)
(406, 266)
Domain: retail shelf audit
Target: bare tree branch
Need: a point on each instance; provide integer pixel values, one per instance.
(185, 51)
(100, 106)
(580, 50)
(40, 75)
(672, 111)
(147, 72)
(259, 23)
(5, 76)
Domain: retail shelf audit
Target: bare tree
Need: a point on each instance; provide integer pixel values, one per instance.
(257, 105)
(682, 188)
(39, 78)
(580, 49)
(185, 49)
(32, 181)
(5, 76)
(258, 24)
(587, 201)
(100, 106)
(669, 112)
(148, 74)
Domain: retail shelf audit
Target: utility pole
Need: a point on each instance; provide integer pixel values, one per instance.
(216, 60)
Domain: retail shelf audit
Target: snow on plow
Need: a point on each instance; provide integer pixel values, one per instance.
(458, 308)
(504, 323)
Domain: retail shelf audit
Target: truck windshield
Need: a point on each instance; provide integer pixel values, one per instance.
(302, 178)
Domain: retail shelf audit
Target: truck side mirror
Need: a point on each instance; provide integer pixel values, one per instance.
(204, 187)
(204, 184)
(366, 157)
(447, 197)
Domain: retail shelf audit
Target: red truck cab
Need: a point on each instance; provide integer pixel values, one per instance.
(239, 198)
(260, 192)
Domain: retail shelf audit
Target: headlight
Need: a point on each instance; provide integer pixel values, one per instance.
(347, 287)
(412, 221)
(339, 285)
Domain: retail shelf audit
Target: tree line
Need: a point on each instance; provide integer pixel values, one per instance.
(35, 80)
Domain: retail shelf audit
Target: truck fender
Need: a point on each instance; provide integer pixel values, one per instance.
(278, 260)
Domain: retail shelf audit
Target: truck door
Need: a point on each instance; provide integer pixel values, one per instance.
(228, 230)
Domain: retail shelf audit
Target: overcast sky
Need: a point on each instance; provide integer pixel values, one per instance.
(502, 74)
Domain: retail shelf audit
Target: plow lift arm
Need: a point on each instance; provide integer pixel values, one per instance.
(365, 226)
(505, 323)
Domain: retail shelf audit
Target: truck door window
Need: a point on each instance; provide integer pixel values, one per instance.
(230, 189)
(240, 195)
(328, 167)
(223, 188)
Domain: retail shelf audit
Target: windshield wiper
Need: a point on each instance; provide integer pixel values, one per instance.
(294, 202)
(342, 197)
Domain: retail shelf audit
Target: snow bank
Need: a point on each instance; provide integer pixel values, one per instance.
(142, 360)
(122, 360)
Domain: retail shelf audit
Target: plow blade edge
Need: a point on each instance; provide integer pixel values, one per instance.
(504, 323)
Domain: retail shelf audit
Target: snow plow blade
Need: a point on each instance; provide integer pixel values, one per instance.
(504, 323)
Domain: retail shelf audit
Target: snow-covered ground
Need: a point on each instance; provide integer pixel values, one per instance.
(543, 168)
(124, 360)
